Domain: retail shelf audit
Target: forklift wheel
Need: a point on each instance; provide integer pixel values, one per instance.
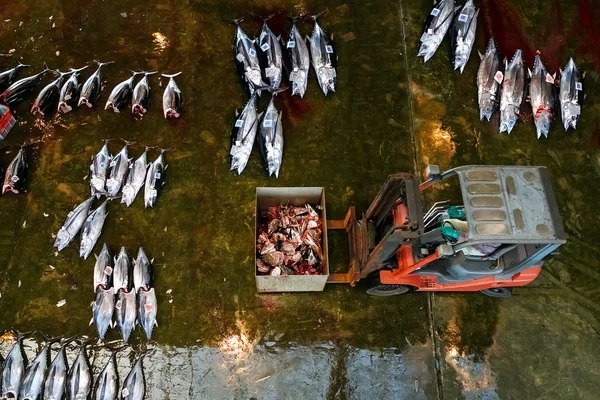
(387, 290)
(499, 292)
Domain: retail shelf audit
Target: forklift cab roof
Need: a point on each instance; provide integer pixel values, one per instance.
(509, 204)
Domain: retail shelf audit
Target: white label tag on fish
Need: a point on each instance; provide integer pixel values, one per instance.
(157, 175)
(268, 123)
(238, 143)
(148, 307)
(102, 165)
(125, 392)
(291, 44)
(578, 86)
(435, 12)
(329, 49)
(252, 52)
(118, 306)
(549, 78)
(463, 17)
(14, 178)
(239, 123)
(293, 75)
(239, 57)
(108, 271)
(430, 31)
(265, 47)
(499, 76)
(272, 72)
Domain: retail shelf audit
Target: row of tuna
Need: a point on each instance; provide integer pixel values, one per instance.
(42, 380)
(65, 92)
(124, 291)
(261, 62)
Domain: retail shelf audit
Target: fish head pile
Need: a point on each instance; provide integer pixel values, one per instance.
(463, 35)
(571, 87)
(543, 97)
(489, 77)
(243, 135)
(513, 92)
(435, 28)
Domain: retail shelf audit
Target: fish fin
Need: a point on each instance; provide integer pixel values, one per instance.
(554, 76)
(95, 255)
(156, 323)
(259, 116)
(237, 113)
(583, 75)
(331, 36)
(530, 74)
(480, 55)
(91, 321)
(457, 8)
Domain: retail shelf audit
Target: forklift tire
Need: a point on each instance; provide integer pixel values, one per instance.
(500, 292)
(387, 290)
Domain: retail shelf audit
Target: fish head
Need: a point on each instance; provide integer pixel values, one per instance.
(486, 107)
(428, 47)
(86, 247)
(62, 239)
(542, 120)
(570, 115)
(508, 121)
(83, 100)
(171, 113)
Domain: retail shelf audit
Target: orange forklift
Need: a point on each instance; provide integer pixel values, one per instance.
(498, 238)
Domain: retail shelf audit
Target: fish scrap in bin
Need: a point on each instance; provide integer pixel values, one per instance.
(289, 241)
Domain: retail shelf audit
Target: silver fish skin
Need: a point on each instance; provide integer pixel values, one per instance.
(488, 88)
(571, 89)
(93, 86)
(435, 27)
(172, 99)
(243, 134)
(154, 180)
(542, 92)
(8, 77)
(73, 223)
(125, 311)
(119, 166)
(107, 382)
(18, 90)
(147, 310)
(70, 92)
(297, 60)
(121, 94)
(271, 139)
(270, 55)
(324, 58)
(92, 228)
(141, 95)
(513, 92)
(99, 170)
(79, 382)
(49, 95)
(102, 309)
(121, 275)
(16, 173)
(246, 59)
(103, 269)
(134, 386)
(55, 385)
(135, 179)
(32, 386)
(463, 34)
(142, 272)
(13, 370)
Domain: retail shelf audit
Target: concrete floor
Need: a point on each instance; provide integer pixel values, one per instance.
(392, 113)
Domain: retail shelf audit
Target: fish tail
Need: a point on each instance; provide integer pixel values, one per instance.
(127, 142)
(279, 90)
(171, 75)
(21, 65)
(46, 69)
(50, 340)
(73, 70)
(315, 16)
(100, 63)
(296, 18)
(236, 21)
(147, 73)
(21, 335)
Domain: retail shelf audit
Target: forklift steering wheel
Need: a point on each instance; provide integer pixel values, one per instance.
(387, 290)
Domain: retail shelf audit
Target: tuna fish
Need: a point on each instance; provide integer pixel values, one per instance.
(243, 134)
(135, 179)
(49, 96)
(142, 272)
(107, 382)
(102, 309)
(171, 100)
(13, 369)
(99, 170)
(542, 91)
(8, 77)
(55, 385)
(122, 275)
(103, 269)
(134, 386)
(270, 55)
(141, 95)
(93, 86)
(513, 92)
(296, 60)
(463, 35)
(16, 173)
(32, 387)
(18, 90)
(324, 59)
(92, 228)
(571, 87)
(147, 310)
(119, 166)
(73, 224)
(70, 92)
(121, 94)
(125, 310)
(489, 78)
(79, 383)
(435, 27)
(270, 138)
(246, 59)
(154, 180)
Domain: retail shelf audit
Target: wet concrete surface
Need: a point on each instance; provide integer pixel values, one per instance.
(391, 113)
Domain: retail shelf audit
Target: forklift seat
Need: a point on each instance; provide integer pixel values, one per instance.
(459, 267)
